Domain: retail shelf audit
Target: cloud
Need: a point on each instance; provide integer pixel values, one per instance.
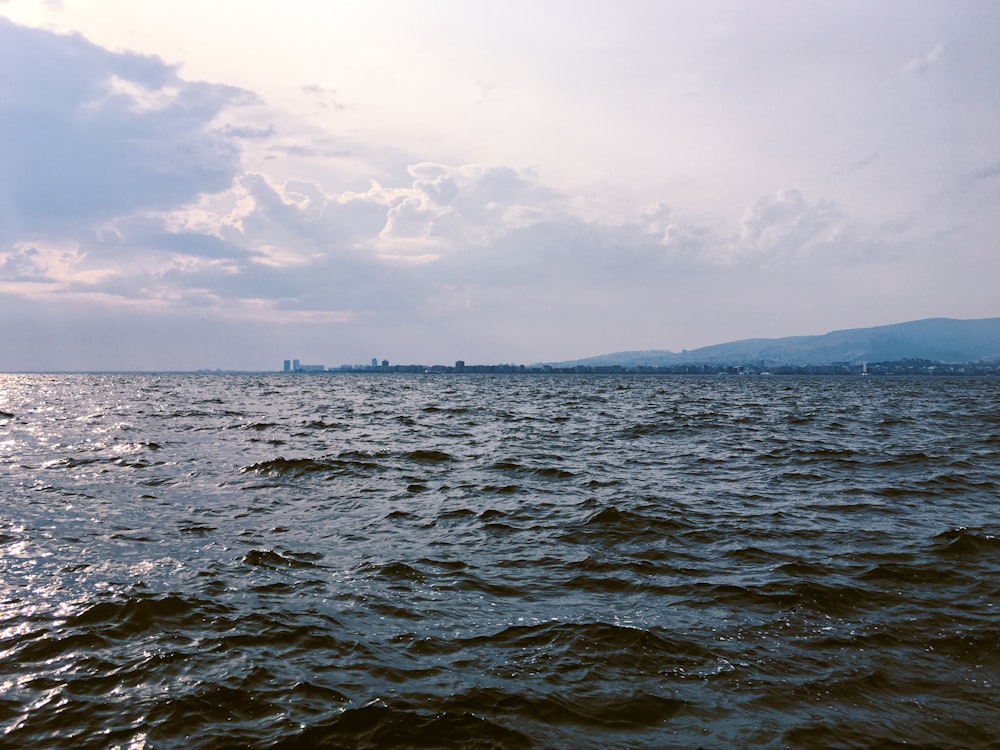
(325, 98)
(291, 223)
(785, 227)
(778, 231)
(443, 242)
(988, 172)
(246, 131)
(919, 65)
(21, 264)
(87, 134)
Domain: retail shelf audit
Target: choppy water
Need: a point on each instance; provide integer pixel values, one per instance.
(498, 562)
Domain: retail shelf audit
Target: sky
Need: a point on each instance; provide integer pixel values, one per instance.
(190, 185)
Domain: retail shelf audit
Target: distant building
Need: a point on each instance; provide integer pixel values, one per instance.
(460, 366)
(295, 365)
(385, 364)
(374, 362)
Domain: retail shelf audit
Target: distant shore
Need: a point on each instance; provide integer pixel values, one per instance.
(894, 368)
(898, 367)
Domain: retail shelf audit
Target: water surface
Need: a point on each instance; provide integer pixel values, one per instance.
(498, 562)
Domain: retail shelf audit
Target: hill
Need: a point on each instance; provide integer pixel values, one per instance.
(936, 339)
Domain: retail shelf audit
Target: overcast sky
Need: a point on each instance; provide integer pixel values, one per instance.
(227, 184)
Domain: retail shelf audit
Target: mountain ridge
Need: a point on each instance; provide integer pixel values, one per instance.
(935, 339)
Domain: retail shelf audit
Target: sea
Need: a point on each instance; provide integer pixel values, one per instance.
(499, 561)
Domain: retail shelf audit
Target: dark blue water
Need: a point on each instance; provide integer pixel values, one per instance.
(499, 562)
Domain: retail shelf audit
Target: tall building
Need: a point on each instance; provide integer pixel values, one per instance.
(295, 365)
(374, 361)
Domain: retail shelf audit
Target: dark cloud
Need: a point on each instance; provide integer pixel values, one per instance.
(988, 172)
(87, 134)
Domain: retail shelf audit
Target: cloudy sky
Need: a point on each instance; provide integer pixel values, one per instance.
(227, 184)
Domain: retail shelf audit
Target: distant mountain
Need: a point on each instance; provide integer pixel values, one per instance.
(937, 339)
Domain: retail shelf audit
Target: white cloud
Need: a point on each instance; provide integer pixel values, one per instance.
(919, 65)
(21, 263)
(785, 228)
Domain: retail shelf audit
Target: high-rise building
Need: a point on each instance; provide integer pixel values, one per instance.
(374, 361)
(288, 365)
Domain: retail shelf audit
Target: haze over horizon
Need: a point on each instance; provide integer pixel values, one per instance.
(187, 185)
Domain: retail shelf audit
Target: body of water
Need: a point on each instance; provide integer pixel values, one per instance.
(365, 561)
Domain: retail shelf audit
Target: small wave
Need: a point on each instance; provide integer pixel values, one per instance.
(964, 542)
(611, 525)
(906, 459)
(135, 615)
(914, 574)
(546, 472)
(266, 558)
(449, 565)
(458, 514)
(43, 646)
(258, 426)
(622, 710)
(645, 430)
(245, 712)
(196, 528)
(612, 647)
(468, 581)
(440, 410)
(295, 467)
(319, 424)
(429, 456)
(553, 472)
(756, 555)
(507, 489)
(400, 571)
(286, 467)
(399, 514)
(377, 725)
(972, 646)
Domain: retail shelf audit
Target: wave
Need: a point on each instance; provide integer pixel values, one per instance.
(968, 543)
(429, 456)
(349, 463)
(266, 558)
(611, 525)
(377, 725)
(625, 709)
(545, 472)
